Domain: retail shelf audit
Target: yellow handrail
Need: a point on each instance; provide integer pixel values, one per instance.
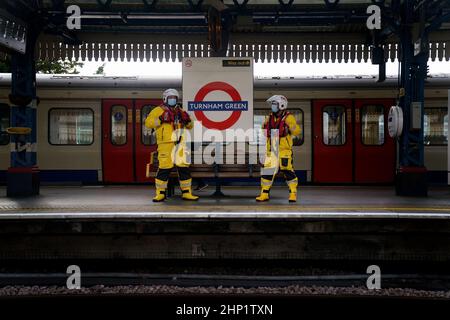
(18, 130)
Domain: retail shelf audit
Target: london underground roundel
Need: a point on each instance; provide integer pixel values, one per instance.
(218, 86)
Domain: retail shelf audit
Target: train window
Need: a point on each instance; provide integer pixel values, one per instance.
(148, 136)
(259, 117)
(71, 126)
(298, 114)
(372, 125)
(4, 123)
(334, 125)
(118, 125)
(435, 126)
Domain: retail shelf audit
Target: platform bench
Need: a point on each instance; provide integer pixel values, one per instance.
(213, 171)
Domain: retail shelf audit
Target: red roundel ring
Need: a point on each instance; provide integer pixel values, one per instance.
(217, 86)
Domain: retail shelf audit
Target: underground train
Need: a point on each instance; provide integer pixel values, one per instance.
(344, 119)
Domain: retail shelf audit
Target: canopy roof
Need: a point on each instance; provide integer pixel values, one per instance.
(163, 30)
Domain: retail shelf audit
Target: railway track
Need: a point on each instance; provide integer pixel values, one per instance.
(174, 296)
(414, 281)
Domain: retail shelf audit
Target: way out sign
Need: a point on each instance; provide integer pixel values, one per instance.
(218, 94)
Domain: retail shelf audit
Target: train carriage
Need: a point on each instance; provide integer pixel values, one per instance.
(91, 129)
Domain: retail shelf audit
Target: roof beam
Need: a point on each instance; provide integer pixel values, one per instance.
(13, 32)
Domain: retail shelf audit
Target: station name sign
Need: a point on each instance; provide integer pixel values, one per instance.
(217, 105)
(236, 63)
(218, 95)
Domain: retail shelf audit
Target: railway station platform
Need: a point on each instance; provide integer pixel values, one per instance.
(327, 223)
(136, 201)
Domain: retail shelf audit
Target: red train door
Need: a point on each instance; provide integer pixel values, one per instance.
(333, 141)
(127, 143)
(145, 139)
(117, 123)
(374, 149)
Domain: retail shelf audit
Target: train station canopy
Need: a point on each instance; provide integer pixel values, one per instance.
(158, 30)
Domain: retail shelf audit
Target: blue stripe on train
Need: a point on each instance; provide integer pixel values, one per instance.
(81, 176)
(91, 176)
(437, 177)
(69, 176)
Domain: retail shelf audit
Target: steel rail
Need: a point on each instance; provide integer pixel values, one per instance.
(417, 281)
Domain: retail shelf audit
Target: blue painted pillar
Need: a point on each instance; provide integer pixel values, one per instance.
(23, 174)
(411, 177)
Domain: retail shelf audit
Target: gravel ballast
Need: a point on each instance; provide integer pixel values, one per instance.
(9, 291)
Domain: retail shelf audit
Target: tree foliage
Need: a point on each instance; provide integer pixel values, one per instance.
(58, 67)
(49, 67)
(101, 70)
(5, 65)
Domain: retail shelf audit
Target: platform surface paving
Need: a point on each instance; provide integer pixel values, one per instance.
(135, 201)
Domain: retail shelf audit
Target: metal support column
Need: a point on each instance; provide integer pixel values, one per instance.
(218, 160)
(23, 175)
(411, 177)
(218, 32)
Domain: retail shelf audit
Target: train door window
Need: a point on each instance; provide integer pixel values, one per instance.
(71, 126)
(435, 129)
(118, 125)
(372, 125)
(4, 123)
(298, 114)
(148, 135)
(259, 116)
(334, 125)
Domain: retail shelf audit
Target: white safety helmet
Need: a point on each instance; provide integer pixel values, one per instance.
(170, 92)
(281, 100)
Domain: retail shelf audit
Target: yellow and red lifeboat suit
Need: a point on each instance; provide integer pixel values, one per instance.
(287, 127)
(169, 124)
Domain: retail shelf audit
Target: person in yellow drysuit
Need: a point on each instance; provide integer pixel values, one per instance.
(279, 125)
(170, 120)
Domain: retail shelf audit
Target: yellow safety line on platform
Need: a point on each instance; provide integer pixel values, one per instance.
(231, 208)
(296, 208)
(379, 208)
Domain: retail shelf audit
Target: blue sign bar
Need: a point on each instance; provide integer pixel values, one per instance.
(217, 105)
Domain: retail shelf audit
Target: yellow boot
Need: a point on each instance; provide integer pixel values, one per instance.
(265, 189)
(292, 184)
(186, 189)
(161, 187)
